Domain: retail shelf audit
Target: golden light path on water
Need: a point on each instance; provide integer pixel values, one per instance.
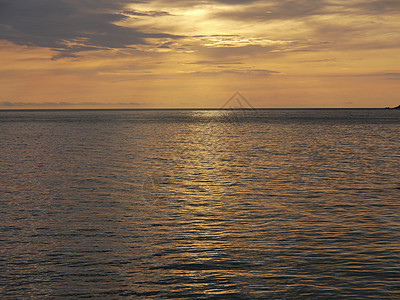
(199, 204)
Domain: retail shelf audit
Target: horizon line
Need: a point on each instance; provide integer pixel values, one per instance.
(207, 108)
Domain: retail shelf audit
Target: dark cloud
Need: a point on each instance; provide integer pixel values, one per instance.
(64, 54)
(387, 75)
(68, 26)
(146, 13)
(377, 6)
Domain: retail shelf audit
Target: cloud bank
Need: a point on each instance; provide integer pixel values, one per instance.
(72, 26)
(69, 26)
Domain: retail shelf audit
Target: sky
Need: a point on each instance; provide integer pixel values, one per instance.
(196, 54)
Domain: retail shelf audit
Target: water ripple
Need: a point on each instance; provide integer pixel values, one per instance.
(199, 205)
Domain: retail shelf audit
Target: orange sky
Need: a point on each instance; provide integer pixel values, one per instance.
(167, 54)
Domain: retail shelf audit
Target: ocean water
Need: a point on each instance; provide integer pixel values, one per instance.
(200, 204)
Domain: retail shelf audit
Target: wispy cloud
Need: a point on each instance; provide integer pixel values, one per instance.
(242, 72)
(214, 62)
(387, 75)
(66, 104)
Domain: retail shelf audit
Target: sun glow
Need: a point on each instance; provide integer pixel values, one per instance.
(162, 53)
(195, 20)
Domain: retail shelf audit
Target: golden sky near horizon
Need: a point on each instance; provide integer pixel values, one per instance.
(184, 53)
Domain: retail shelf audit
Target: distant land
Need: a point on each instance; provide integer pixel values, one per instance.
(397, 107)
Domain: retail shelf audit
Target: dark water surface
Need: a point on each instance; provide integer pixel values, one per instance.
(201, 204)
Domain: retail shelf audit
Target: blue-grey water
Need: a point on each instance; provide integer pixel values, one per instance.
(200, 204)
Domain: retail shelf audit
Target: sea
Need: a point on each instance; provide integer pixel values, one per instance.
(200, 204)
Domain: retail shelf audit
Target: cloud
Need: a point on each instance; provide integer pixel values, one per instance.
(214, 29)
(295, 9)
(238, 72)
(276, 9)
(325, 60)
(134, 12)
(65, 104)
(69, 26)
(377, 7)
(386, 76)
(214, 62)
(275, 26)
